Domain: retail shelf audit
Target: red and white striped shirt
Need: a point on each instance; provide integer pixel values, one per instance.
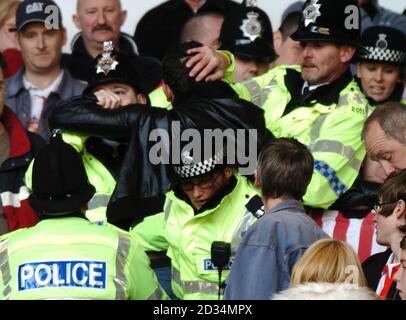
(358, 233)
(388, 272)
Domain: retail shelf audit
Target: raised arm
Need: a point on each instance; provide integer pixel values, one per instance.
(83, 115)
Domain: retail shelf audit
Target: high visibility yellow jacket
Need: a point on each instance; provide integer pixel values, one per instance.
(158, 99)
(72, 258)
(99, 176)
(330, 124)
(187, 237)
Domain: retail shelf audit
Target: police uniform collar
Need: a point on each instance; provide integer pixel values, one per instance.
(111, 158)
(214, 201)
(326, 94)
(46, 216)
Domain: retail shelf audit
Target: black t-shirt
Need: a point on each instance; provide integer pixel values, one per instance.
(160, 28)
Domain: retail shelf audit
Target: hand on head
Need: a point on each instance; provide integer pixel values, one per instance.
(107, 100)
(207, 64)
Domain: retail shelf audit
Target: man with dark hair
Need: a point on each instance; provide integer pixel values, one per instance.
(390, 214)
(272, 245)
(17, 148)
(65, 256)
(211, 105)
(289, 51)
(204, 28)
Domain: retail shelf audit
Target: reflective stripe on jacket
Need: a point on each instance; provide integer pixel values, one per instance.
(331, 132)
(71, 258)
(99, 176)
(187, 237)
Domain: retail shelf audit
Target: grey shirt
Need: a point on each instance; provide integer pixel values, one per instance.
(269, 250)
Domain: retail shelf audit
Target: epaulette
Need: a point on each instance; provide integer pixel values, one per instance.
(255, 206)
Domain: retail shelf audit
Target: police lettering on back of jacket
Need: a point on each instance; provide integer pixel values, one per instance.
(65, 256)
(319, 103)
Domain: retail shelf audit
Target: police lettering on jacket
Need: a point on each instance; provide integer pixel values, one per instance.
(87, 274)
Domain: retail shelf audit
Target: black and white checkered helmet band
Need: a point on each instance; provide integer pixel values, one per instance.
(385, 55)
(185, 171)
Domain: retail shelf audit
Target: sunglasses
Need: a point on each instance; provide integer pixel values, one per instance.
(378, 207)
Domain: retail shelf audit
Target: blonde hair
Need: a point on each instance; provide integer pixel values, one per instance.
(328, 260)
(8, 9)
(327, 291)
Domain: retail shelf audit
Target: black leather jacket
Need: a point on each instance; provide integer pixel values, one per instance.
(359, 200)
(141, 183)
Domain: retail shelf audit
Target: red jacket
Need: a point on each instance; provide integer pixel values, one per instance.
(13, 192)
(14, 61)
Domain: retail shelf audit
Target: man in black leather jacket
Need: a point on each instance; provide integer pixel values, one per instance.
(141, 183)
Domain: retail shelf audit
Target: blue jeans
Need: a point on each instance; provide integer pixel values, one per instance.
(164, 276)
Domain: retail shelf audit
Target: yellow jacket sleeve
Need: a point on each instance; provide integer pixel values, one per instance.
(151, 233)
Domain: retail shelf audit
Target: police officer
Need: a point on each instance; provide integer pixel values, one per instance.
(379, 69)
(320, 104)
(115, 82)
(247, 33)
(65, 256)
(208, 201)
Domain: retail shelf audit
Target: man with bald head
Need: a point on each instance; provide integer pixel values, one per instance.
(204, 27)
(99, 21)
(384, 136)
(161, 26)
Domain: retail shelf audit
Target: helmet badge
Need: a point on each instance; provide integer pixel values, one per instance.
(251, 27)
(187, 159)
(311, 12)
(381, 43)
(251, 3)
(106, 63)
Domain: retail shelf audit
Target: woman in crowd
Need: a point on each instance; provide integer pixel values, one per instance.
(328, 260)
(8, 43)
(329, 269)
(379, 68)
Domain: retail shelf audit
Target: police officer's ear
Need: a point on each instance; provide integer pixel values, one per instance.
(257, 183)
(346, 53)
(141, 98)
(168, 92)
(359, 69)
(228, 172)
(277, 41)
